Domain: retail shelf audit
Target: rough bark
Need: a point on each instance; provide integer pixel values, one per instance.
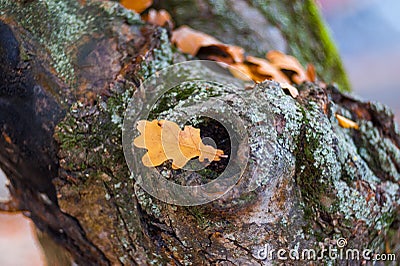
(68, 71)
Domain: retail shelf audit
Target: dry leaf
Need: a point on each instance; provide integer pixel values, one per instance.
(159, 17)
(164, 140)
(257, 69)
(264, 70)
(190, 41)
(225, 53)
(137, 5)
(345, 122)
(288, 65)
(292, 90)
(310, 74)
(280, 67)
(241, 71)
(247, 72)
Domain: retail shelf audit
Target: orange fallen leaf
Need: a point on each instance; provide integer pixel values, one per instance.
(235, 52)
(257, 69)
(292, 90)
(190, 41)
(242, 71)
(264, 69)
(159, 17)
(164, 140)
(279, 66)
(345, 122)
(136, 5)
(288, 65)
(247, 72)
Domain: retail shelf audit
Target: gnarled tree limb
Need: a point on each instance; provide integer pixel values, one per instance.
(68, 70)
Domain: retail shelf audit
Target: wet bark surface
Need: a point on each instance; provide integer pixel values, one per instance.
(64, 90)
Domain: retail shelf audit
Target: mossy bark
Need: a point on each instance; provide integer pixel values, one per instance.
(68, 172)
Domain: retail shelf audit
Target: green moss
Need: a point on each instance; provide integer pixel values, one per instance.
(91, 151)
(310, 173)
(180, 94)
(203, 221)
(245, 198)
(55, 24)
(332, 174)
(207, 175)
(60, 25)
(332, 58)
(90, 141)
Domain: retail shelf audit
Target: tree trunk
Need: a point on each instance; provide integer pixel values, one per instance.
(68, 71)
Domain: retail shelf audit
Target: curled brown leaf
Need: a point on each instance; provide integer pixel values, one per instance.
(263, 70)
(288, 65)
(198, 43)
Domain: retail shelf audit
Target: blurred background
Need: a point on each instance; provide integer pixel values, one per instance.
(367, 33)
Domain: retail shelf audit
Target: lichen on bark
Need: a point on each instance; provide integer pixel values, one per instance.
(313, 188)
(314, 179)
(94, 173)
(312, 191)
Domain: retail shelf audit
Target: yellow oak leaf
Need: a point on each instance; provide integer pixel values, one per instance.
(164, 140)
